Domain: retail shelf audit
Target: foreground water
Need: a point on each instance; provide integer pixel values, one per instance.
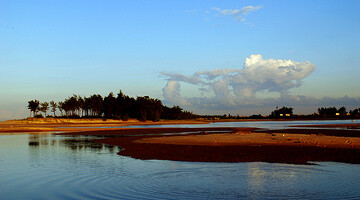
(45, 166)
(48, 166)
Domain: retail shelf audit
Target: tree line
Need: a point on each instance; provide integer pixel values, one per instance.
(146, 108)
(110, 107)
(287, 113)
(323, 112)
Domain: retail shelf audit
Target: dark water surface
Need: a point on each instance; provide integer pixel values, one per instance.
(45, 166)
(254, 124)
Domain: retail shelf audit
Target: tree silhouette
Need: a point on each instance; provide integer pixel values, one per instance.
(109, 106)
(44, 107)
(53, 107)
(282, 112)
(120, 107)
(81, 103)
(61, 106)
(342, 111)
(355, 112)
(33, 106)
(331, 111)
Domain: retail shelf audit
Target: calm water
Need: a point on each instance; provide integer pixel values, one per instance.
(255, 124)
(47, 166)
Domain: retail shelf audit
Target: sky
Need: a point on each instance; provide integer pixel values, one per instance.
(209, 57)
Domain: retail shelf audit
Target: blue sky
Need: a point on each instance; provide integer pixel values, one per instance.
(50, 50)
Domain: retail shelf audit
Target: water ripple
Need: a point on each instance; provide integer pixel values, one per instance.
(52, 170)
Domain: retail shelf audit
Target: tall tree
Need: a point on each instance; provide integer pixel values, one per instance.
(44, 107)
(81, 103)
(33, 106)
(53, 107)
(109, 106)
(61, 106)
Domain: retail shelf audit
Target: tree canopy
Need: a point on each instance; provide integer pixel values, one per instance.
(111, 107)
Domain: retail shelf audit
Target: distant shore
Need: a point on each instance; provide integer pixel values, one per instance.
(229, 144)
(71, 125)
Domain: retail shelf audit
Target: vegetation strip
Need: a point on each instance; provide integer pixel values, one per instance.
(145, 108)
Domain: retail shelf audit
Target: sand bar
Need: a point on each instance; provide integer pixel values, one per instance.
(243, 146)
(228, 144)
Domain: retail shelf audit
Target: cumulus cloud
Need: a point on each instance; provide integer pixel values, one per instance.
(172, 93)
(232, 87)
(268, 75)
(237, 14)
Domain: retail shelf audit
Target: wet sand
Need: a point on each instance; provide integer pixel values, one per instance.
(242, 146)
(298, 146)
(243, 138)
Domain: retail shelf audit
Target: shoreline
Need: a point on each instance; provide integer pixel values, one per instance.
(137, 147)
(234, 144)
(72, 125)
(210, 144)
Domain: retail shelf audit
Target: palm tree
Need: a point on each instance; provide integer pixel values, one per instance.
(44, 107)
(53, 107)
(33, 106)
(60, 106)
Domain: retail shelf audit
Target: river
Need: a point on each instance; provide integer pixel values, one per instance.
(47, 166)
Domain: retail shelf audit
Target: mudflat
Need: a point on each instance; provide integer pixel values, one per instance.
(256, 139)
(229, 144)
(244, 145)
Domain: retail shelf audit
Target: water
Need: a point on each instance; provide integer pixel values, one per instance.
(46, 166)
(254, 124)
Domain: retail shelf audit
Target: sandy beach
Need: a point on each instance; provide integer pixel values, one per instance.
(72, 125)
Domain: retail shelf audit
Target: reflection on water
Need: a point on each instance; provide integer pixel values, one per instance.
(57, 167)
(75, 143)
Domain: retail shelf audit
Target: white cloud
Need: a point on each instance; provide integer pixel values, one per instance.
(268, 75)
(238, 14)
(172, 93)
(234, 87)
(222, 92)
